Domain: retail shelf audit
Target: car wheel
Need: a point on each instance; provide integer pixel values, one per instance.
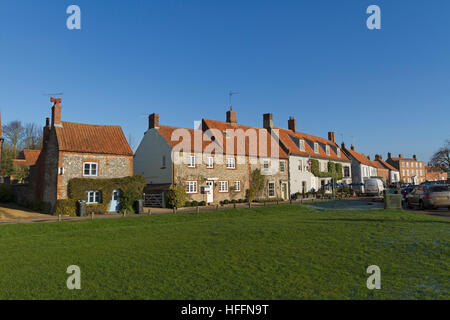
(421, 205)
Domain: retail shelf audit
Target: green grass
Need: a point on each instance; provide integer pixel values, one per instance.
(283, 252)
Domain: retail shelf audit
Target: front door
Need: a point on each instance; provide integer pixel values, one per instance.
(210, 194)
(114, 204)
(284, 190)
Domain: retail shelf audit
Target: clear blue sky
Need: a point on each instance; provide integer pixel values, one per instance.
(315, 60)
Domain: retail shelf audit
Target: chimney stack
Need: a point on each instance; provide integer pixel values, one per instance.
(343, 145)
(267, 121)
(153, 121)
(331, 137)
(368, 157)
(352, 147)
(389, 155)
(400, 156)
(292, 124)
(378, 157)
(231, 116)
(56, 112)
(415, 157)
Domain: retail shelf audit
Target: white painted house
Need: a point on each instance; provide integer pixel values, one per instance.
(362, 167)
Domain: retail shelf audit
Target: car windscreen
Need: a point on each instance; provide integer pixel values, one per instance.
(439, 188)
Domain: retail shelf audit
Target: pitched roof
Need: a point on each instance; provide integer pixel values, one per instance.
(377, 165)
(89, 138)
(167, 132)
(27, 157)
(291, 141)
(386, 165)
(359, 157)
(261, 149)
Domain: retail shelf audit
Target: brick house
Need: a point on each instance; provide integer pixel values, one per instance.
(411, 170)
(76, 150)
(394, 174)
(382, 172)
(302, 148)
(25, 159)
(210, 162)
(435, 174)
(362, 167)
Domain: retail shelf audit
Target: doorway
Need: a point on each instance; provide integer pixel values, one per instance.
(210, 191)
(284, 190)
(115, 201)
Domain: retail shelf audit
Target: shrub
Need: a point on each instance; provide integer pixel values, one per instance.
(226, 201)
(6, 194)
(187, 204)
(241, 200)
(202, 203)
(95, 208)
(66, 207)
(194, 203)
(257, 181)
(175, 197)
(233, 201)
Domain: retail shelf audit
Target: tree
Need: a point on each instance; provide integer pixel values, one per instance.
(13, 133)
(441, 158)
(21, 173)
(257, 181)
(32, 137)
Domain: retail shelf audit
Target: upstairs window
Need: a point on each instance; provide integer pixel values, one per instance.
(282, 166)
(300, 165)
(94, 197)
(191, 162)
(231, 163)
(327, 150)
(301, 145)
(316, 147)
(90, 169)
(338, 152)
(210, 162)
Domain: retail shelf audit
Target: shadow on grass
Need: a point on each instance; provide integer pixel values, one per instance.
(378, 220)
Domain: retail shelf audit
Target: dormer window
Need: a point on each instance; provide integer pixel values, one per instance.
(301, 145)
(327, 150)
(338, 152)
(316, 147)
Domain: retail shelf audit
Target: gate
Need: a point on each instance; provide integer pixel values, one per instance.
(154, 200)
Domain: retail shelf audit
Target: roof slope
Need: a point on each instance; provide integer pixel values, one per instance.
(290, 139)
(360, 157)
(386, 165)
(88, 138)
(27, 157)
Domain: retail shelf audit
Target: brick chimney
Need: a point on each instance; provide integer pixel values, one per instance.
(267, 121)
(378, 157)
(331, 137)
(231, 116)
(153, 121)
(415, 157)
(343, 145)
(389, 155)
(352, 147)
(368, 157)
(292, 124)
(56, 112)
(400, 156)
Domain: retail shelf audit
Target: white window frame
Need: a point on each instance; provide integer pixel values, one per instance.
(231, 163)
(95, 195)
(191, 187)
(338, 152)
(327, 150)
(223, 186)
(300, 166)
(209, 162)
(192, 161)
(316, 147)
(301, 145)
(273, 189)
(237, 186)
(90, 164)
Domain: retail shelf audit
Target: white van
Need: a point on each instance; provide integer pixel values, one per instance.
(373, 187)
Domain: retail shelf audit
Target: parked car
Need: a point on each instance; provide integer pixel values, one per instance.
(373, 187)
(424, 197)
(407, 190)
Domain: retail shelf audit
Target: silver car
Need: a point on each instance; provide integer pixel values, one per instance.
(429, 197)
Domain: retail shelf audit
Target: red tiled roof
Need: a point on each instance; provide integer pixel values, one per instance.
(360, 157)
(386, 165)
(377, 165)
(88, 138)
(287, 136)
(167, 133)
(250, 150)
(27, 158)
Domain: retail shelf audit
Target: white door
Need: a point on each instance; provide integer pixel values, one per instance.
(210, 194)
(114, 204)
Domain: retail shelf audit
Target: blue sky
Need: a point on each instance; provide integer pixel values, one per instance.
(386, 90)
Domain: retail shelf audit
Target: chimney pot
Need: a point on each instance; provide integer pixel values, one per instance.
(415, 157)
(400, 156)
(267, 121)
(231, 116)
(389, 155)
(343, 145)
(153, 121)
(331, 137)
(292, 124)
(352, 147)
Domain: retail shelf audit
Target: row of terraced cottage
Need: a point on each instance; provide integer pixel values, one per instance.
(213, 162)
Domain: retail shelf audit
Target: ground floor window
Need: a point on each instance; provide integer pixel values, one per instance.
(237, 186)
(94, 197)
(271, 189)
(346, 172)
(191, 187)
(223, 186)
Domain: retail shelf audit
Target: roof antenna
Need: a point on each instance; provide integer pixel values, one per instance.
(230, 95)
(53, 94)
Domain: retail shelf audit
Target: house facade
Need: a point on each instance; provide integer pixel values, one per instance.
(76, 150)
(394, 175)
(212, 162)
(411, 169)
(303, 149)
(435, 174)
(362, 167)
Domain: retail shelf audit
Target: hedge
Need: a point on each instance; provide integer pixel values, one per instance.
(131, 189)
(334, 170)
(66, 207)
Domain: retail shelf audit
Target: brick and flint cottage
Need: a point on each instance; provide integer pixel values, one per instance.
(77, 150)
(311, 158)
(214, 161)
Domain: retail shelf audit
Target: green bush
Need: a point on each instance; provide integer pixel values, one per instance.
(187, 204)
(233, 201)
(202, 203)
(6, 194)
(175, 197)
(95, 209)
(226, 201)
(66, 207)
(194, 203)
(241, 200)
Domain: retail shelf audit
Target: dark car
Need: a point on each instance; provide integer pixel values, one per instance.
(434, 196)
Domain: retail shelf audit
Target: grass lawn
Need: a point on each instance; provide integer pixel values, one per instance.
(284, 252)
